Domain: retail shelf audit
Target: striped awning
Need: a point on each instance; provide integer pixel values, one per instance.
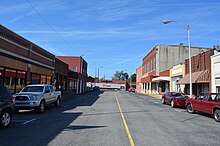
(197, 77)
(205, 77)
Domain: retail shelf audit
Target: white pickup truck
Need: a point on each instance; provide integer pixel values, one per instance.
(36, 97)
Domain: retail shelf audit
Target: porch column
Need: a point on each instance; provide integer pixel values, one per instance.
(150, 90)
(77, 86)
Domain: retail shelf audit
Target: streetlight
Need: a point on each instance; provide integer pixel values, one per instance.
(98, 72)
(190, 64)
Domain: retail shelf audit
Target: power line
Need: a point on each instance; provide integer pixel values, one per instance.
(49, 24)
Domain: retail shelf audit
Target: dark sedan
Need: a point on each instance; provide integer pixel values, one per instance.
(174, 99)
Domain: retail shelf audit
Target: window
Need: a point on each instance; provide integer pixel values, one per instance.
(47, 88)
(35, 79)
(1, 75)
(51, 89)
(10, 79)
(43, 79)
(48, 79)
(75, 68)
(20, 81)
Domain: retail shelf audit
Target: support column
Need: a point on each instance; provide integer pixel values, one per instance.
(80, 86)
(77, 86)
(150, 90)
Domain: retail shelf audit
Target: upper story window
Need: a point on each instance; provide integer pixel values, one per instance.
(75, 68)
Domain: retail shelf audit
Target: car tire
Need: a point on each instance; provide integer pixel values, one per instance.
(172, 103)
(57, 102)
(190, 109)
(217, 115)
(163, 100)
(5, 119)
(41, 107)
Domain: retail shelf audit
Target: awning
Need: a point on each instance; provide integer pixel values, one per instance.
(197, 77)
(205, 77)
(161, 78)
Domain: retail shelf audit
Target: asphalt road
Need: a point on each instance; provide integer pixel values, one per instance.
(111, 119)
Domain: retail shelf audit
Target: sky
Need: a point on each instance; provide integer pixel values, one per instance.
(111, 35)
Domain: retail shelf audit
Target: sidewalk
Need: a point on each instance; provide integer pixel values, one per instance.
(152, 95)
(155, 96)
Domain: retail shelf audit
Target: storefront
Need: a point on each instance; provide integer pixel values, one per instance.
(215, 65)
(23, 62)
(176, 74)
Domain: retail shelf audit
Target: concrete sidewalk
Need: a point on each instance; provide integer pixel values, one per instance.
(155, 96)
(152, 95)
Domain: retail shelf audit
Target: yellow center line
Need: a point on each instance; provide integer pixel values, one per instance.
(125, 123)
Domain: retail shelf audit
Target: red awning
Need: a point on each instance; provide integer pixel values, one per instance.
(197, 77)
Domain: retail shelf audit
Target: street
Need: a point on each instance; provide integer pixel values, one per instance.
(111, 118)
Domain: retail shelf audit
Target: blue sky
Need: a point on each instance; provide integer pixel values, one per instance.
(113, 34)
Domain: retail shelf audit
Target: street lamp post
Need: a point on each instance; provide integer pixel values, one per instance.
(98, 72)
(190, 64)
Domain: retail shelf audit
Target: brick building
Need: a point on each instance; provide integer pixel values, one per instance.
(201, 73)
(61, 75)
(138, 79)
(157, 63)
(78, 77)
(22, 62)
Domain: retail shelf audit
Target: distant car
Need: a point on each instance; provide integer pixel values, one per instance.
(174, 99)
(6, 107)
(96, 88)
(131, 89)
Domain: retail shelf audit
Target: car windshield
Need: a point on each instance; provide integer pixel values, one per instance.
(33, 89)
(177, 94)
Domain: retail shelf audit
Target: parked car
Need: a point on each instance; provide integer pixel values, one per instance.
(206, 103)
(131, 89)
(96, 88)
(174, 99)
(6, 107)
(36, 97)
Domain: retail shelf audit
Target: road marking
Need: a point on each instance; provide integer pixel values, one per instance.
(125, 123)
(28, 121)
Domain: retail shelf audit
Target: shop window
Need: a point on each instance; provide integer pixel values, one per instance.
(21, 80)
(1, 75)
(43, 79)
(10, 79)
(49, 80)
(35, 79)
(218, 89)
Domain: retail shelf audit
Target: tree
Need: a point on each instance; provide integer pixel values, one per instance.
(133, 77)
(120, 75)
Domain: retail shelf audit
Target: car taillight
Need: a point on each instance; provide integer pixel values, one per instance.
(12, 99)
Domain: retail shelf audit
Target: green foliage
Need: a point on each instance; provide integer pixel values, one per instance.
(120, 75)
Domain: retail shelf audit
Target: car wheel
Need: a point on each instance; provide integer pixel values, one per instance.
(163, 100)
(5, 119)
(57, 102)
(172, 103)
(41, 107)
(217, 115)
(190, 109)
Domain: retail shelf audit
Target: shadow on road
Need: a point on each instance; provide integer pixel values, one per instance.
(47, 126)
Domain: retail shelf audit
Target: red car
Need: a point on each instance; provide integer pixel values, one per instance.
(131, 89)
(207, 103)
(174, 99)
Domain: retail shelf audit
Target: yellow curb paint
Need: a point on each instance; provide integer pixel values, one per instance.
(125, 123)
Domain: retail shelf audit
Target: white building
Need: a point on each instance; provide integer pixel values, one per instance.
(215, 69)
